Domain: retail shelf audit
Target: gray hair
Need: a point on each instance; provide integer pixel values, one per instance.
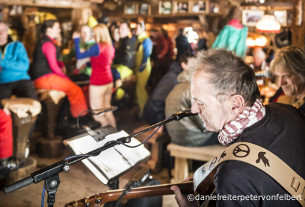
(229, 73)
(292, 60)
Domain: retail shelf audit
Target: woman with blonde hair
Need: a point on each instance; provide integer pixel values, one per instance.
(101, 55)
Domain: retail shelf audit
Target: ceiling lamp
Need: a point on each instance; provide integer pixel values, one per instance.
(268, 23)
(256, 41)
(250, 42)
(261, 41)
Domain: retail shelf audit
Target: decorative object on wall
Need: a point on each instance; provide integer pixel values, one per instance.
(130, 8)
(182, 7)
(251, 17)
(165, 7)
(214, 7)
(281, 17)
(199, 6)
(144, 9)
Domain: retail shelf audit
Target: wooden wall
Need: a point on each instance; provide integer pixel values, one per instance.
(298, 28)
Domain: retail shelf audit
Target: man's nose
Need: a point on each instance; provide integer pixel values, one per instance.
(195, 108)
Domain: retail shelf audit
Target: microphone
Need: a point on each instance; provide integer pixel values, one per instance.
(103, 110)
(181, 114)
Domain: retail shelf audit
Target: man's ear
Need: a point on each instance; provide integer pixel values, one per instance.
(238, 104)
(183, 65)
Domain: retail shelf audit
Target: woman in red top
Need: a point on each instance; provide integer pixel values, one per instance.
(101, 80)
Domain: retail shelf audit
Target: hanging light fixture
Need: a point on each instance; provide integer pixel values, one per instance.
(256, 41)
(250, 42)
(268, 23)
(260, 41)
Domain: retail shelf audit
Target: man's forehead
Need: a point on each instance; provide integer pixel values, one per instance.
(200, 77)
(200, 83)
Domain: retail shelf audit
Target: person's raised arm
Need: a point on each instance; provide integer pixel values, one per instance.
(94, 50)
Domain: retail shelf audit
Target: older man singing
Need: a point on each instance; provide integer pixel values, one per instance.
(226, 98)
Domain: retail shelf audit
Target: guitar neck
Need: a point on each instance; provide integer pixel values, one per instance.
(147, 191)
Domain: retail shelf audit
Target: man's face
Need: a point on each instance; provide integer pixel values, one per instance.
(213, 113)
(124, 30)
(3, 34)
(289, 82)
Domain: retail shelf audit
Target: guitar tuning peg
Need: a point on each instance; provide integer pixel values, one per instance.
(75, 204)
(87, 202)
(98, 200)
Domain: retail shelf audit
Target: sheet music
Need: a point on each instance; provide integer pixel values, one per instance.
(111, 162)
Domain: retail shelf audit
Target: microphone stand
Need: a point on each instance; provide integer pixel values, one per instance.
(50, 173)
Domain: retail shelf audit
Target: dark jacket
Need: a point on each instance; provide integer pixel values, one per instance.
(125, 53)
(281, 131)
(154, 110)
(40, 65)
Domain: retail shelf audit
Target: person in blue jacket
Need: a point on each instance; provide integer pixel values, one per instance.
(14, 66)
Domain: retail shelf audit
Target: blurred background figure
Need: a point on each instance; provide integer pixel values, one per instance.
(124, 60)
(7, 161)
(202, 42)
(114, 34)
(14, 66)
(101, 81)
(259, 60)
(289, 68)
(162, 56)
(142, 66)
(182, 44)
(83, 65)
(48, 72)
(154, 110)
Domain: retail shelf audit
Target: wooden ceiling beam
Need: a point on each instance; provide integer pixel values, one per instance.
(46, 3)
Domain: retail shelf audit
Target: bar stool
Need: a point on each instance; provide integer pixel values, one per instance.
(24, 112)
(49, 145)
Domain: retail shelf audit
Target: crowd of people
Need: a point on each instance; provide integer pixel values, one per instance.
(215, 83)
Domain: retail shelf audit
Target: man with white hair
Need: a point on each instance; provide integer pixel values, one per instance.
(14, 66)
(226, 98)
(14, 80)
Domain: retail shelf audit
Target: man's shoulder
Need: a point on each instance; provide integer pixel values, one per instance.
(14, 46)
(286, 112)
(16, 43)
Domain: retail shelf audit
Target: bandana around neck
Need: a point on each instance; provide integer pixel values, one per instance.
(248, 117)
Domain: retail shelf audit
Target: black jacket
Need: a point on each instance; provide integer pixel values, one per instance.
(125, 53)
(281, 131)
(40, 65)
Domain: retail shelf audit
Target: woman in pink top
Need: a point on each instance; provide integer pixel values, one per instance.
(101, 80)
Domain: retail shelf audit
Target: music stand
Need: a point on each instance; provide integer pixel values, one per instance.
(110, 164)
